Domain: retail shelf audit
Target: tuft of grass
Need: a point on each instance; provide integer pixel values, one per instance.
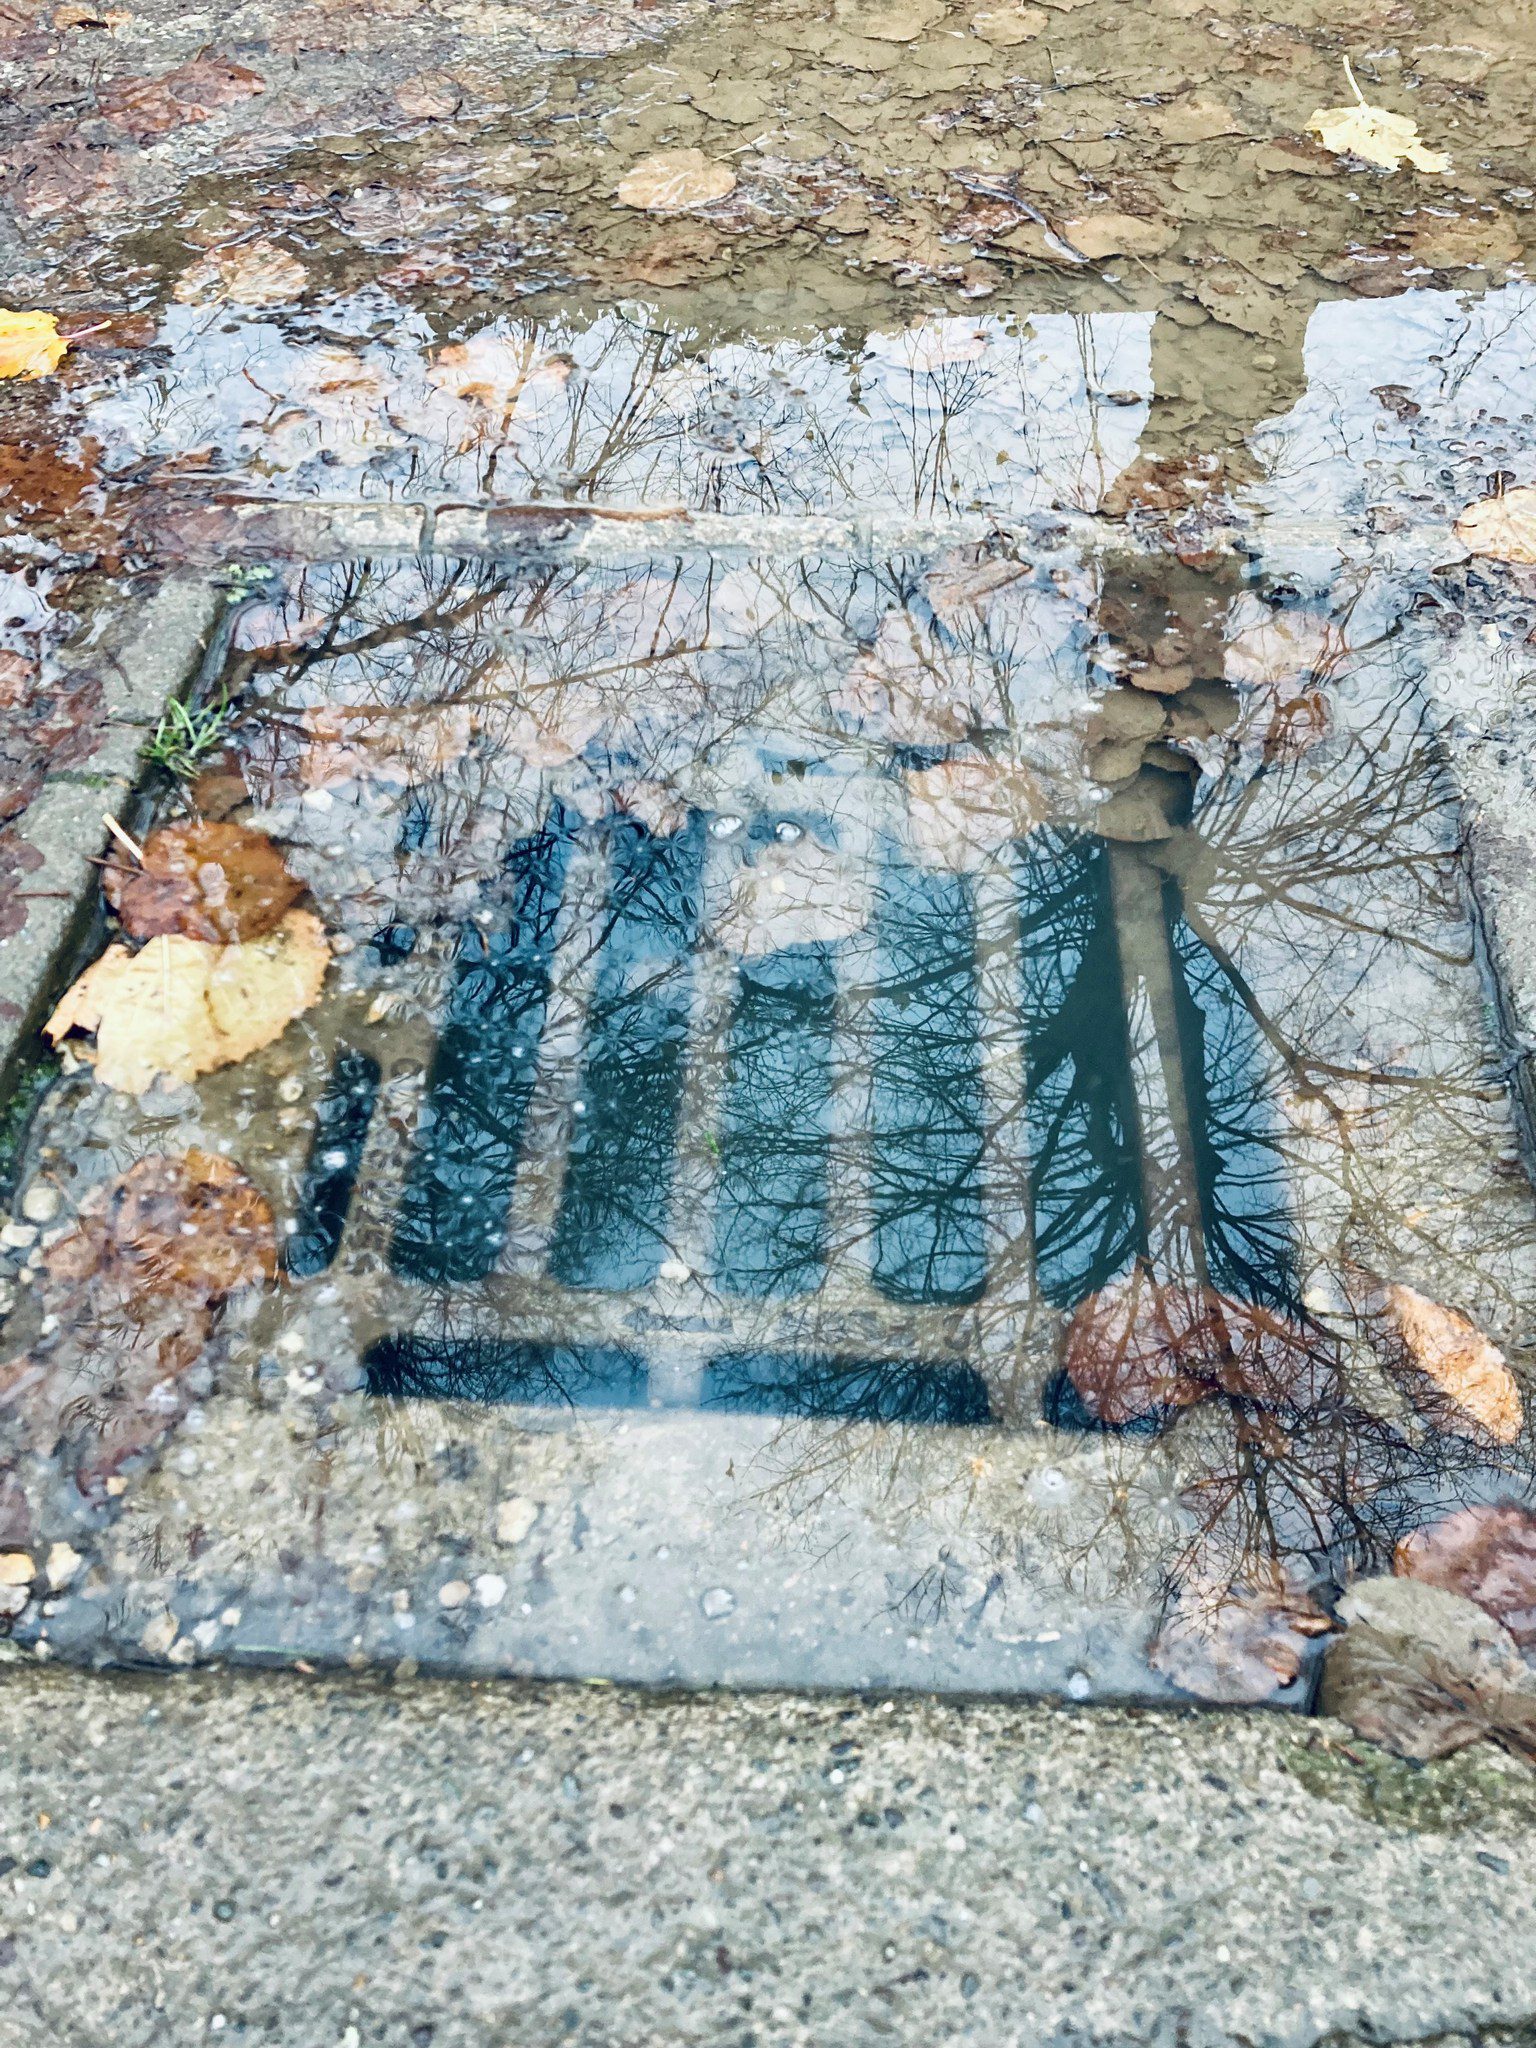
(185, 737)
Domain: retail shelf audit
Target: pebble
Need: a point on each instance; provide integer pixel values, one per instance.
(16, 1568)
(490, 1589)
(718, 1602)
(40, 1203)
(17, 1236)
(514, 1518)
(159, 1634)
(63, 1562)
(454, 1594)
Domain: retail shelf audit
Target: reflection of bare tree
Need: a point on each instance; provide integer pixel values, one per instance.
(877, 1060)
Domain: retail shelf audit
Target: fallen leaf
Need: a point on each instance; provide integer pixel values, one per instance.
(204, 880)
(1006, 27)
(1502, 529)
(1456, 1379)
(1274, 648)
(129, 1297)
(1374, 135)
(503, 373)
(676, 181)
(889, 21)
(384, 743)
(196, 1223)
(1469, 241)
(1130, 1347)
(31, 345)
(180, 1007)
(148, 107)
(258, 273)
(1486, 1554)
(1235, 1642)
(1424, 1672)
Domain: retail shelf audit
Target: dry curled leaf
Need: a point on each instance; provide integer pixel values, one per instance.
(1374, 135)
(676, 181)
(1502, 529)
(1488, 1555)
(216, 882)
(31, 345)
(1235, 1642)
(180, 1008)
(1455, 1377)
(1424, 1672)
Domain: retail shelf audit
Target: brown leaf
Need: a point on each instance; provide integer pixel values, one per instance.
(196, 1224)
(216, 882)
(131, 1294)
(1502, 529)
(1236, 1642)
(676, 181)
(1424, 1672)
(1486, 1554)
(149, 107)
(1456, 1379)
(258, 273)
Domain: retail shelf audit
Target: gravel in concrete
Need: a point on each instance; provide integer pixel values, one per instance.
(332, 1863)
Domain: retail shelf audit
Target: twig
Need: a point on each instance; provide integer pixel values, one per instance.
(122, 838)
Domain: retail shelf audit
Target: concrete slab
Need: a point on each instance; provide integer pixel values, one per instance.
(443, 1866)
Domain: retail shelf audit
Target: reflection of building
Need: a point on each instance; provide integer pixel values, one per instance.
(803, 1171)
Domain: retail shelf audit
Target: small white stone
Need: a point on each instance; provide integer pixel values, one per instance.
(674, 1269)
(16, 1568)
(17, 1236)
(490, 1589)
(718, 1602)
(454, 1594)
(290, 1089)
(514, 1518)
(159, 1634)
(230, 1618)
(40, 1204)
(63, 1562)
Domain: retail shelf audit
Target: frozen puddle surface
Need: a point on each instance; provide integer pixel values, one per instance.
(861, 1128)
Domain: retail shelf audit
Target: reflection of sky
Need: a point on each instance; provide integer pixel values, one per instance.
(1456, 373)
(951, 414)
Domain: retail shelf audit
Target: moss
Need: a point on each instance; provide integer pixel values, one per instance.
(1479, 1787)
(31, 1081)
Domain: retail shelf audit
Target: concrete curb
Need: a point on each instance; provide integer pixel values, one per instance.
(158, 651)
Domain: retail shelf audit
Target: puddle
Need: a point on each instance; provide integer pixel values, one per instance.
(797, 1025)
(883, 1057)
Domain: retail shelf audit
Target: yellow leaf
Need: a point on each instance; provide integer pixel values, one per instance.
(181, 1007)
(676, 181)
(256, 990)
(1502, 529)
(1374, 134)
(30, 344)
